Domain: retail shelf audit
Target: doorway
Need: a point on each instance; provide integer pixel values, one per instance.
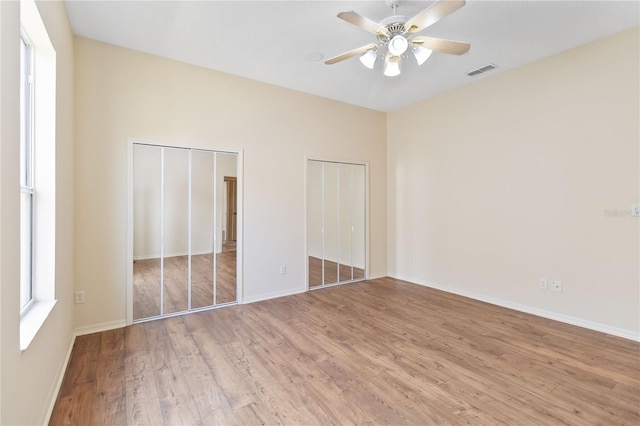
(179, 208)
(336, 223)
(231, 189)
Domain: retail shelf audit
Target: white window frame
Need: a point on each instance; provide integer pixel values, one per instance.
(26, 171)
(34, 314)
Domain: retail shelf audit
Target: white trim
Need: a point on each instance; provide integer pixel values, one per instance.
(367, 223)
(129, 253)
(273, 295)
(189, 221)
(240, 227)
(151, 256)
(376, 276)
(53, 394)
(32, 319)
(162, 160)
(103, 326)
(184, 145)
(603, 328)
(214, 226)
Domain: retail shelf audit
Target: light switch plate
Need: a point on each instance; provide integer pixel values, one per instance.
(635, 210)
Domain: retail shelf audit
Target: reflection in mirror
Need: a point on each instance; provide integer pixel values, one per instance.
(147, 172)
(330, 215)
(314, 222)
(175, 230)
(345, 201)
(185, 230)
(226, 227)
(358, 223)
(336, 216)
(202, 180)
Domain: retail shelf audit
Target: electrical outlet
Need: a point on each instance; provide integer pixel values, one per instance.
(544, 284)
(635, 210)
(283, 269)
(557, 286)
(79, 297)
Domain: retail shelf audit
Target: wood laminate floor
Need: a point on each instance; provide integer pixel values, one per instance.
(331, 274)
(373, 352)
(146, 283)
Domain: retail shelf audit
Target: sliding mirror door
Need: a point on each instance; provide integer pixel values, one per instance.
(226, 217)
(330, 223)
(202, 228)
(175, 230)
(336, 244)
(358, 218)
(147, 225)
(315, 242)
(184, 245)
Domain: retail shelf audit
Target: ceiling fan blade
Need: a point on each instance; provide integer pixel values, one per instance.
(350, 54)
(362, 22)
(432, 14)
(441, 45)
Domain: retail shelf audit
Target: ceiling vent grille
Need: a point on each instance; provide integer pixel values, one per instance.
(482, 70)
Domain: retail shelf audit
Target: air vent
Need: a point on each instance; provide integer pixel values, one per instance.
(482, 70)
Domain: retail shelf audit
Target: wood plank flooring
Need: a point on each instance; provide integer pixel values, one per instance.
(146, 283)
(374, 352)
(331, 272)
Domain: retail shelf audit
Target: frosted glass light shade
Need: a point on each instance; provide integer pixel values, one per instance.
(392, 66)
(368, 59)
(421, 54)
(398, 45)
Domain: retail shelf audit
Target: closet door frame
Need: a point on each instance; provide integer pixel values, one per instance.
(306, 218)
(130, 215)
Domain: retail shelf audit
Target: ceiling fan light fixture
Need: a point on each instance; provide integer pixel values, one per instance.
(421, 54)
(398, 45)
(392, 66)
(368, 59)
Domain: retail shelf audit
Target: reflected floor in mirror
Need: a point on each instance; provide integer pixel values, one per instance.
(146, 282)
(330, 272)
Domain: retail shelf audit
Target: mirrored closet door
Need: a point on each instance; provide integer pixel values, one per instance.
(336, 203)
(184, 230)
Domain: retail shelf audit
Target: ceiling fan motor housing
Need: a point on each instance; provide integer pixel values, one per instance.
(395, 27)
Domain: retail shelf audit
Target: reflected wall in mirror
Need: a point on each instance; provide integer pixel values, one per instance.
(336, 202)
(147, 202)
(184, 245)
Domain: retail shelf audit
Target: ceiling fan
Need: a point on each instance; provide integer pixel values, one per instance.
(396, 37)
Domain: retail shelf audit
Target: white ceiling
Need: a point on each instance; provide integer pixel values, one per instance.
(271, 41)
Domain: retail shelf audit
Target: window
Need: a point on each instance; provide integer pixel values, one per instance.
(26, 173)
(37, 173)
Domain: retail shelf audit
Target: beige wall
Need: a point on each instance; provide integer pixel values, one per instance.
(121, 93)
(496, 184)
(29, 378)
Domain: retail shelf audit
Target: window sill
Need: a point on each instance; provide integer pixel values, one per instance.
(31, 321)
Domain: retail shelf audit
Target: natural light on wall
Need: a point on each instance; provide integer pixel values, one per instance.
(37, 180)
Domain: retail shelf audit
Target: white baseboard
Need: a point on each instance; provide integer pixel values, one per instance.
(273, 295)
(96, 328)
(376, 276)
(157, 256)
(53, 395)
(603, 328)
